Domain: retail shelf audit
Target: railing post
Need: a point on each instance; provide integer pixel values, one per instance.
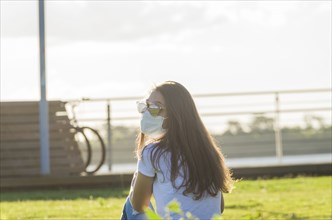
(109, 135)
(277, 132)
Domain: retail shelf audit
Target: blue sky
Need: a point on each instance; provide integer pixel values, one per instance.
(111, 48)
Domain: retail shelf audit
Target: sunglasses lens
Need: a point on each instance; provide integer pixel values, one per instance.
(154, 111)
(141, 107)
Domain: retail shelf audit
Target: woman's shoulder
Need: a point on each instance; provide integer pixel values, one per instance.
(150, 146)
(149, 149)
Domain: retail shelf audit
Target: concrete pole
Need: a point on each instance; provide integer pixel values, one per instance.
(43, 105)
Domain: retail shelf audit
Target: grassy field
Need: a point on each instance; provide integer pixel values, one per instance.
(283, 198)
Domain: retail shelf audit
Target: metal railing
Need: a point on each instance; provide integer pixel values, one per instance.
(273, 99)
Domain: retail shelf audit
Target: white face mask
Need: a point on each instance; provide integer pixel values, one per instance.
(152, 126)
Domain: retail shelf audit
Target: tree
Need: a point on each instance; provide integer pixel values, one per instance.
(261, 123)
(234, 127)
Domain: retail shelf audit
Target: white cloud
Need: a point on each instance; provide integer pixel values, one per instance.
(101, 20)
(112, 21)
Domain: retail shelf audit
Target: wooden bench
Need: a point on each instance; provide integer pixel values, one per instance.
(19, 141)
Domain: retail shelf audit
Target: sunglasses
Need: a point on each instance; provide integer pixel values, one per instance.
(153, 108)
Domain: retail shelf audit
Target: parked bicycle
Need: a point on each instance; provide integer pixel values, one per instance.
(82, 131)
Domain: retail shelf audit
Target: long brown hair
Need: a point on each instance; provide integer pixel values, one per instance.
(190, 144)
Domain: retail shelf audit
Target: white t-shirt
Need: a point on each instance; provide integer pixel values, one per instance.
(164, 192)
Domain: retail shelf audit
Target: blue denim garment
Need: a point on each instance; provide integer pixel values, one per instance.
(129, 213)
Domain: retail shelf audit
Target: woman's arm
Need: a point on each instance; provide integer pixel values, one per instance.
(142, 192)
(222, 204)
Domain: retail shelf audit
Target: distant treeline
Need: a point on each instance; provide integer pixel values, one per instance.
(260, 124)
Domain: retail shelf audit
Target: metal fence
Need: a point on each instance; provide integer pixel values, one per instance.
(246, 124)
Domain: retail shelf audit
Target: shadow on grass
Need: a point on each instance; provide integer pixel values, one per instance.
(262, 214)
(63, 194)
(256, 211)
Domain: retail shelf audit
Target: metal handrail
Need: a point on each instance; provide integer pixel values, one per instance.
(202, 95)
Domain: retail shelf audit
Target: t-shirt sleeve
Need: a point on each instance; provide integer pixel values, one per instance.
(144, 165)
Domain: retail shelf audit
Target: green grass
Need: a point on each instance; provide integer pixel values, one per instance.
(285, 198)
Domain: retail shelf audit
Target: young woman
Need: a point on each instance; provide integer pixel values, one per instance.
(177, 158)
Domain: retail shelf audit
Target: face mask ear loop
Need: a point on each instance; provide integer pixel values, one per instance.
(166, 123)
